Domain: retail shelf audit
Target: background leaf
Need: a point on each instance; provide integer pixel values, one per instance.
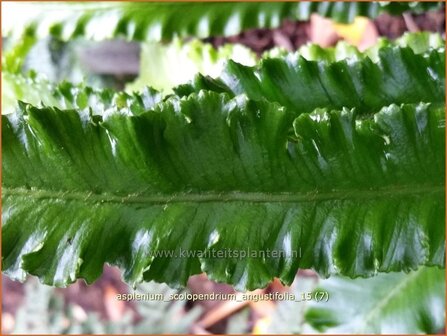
(166, 66)
(164, 21)
(40, 92)
(386, 304)
(399, 76)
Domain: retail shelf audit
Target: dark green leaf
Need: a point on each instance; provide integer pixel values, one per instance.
(161, 21)
(399, 76)
(65, 95)
(347, 194)
(166, 66)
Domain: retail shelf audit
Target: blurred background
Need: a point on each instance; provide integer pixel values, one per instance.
(120, 64)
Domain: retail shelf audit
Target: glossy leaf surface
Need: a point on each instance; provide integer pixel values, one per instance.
(329, 190)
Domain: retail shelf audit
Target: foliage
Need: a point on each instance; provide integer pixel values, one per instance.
(420, 43)
(376, 305)
(404, 303)
(164, 21)
(167, 66)
(391, 303)
(137, 173)
(335, 154)
(200, 57)
(39, 92)
(398, 76)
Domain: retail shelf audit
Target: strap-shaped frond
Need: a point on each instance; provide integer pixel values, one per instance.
(40, 92)
(166, 66)
(329, 190)
(161, 21)
(398, 76)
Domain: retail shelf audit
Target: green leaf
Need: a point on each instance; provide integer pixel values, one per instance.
(32, 90)
(25, 23)
(166, 66)
(420, 43)
(40, 92)
(398, 76)
(13, 58)
(395, 303)
(162, 21)
(330, 190)
(204, 58)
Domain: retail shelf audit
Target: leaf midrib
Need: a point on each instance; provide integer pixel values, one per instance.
(389, 297)
(225, 197)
